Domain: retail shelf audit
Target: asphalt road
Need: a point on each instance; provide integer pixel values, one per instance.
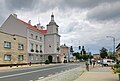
(34, 73)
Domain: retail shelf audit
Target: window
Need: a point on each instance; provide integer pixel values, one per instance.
(40, 38)
(31, 45)
(36, 57)
(57, 44)
(20, 46)
(20, 57)
(40, 47)
(56, 30)
(36, 37)
(7, 57)
(32, 50)
(7, 44)
(31, 57)
(31, 35)
(36, 47)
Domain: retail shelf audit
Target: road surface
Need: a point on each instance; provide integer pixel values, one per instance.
(33, 73)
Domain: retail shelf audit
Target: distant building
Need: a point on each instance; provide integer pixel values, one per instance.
(96, 56)
(118, 51)
(64, 52)
(41, 44)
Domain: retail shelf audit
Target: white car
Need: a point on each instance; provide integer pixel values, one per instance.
(108, 62)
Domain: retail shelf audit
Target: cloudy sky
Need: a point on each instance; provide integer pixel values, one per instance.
(81, 22)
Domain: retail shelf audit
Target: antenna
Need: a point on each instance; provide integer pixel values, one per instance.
(39, 21)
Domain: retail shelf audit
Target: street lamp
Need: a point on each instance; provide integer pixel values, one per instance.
(113, 43)
(41, 56)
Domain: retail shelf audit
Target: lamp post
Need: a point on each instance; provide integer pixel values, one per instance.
(41, 56)
(113, 43)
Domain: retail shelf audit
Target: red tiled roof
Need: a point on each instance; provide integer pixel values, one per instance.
(34, 28)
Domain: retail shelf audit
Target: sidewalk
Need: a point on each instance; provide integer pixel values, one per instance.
(98, 73)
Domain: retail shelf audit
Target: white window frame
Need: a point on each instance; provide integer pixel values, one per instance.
(31, 57)
(20, 57)
(7, 57)
(32, 45)
(40, 47)
(20, 46)
(7, 44)
(36, 57)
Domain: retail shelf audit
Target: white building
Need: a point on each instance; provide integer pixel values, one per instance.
(42, 44)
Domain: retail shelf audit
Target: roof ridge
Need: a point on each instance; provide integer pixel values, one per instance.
(32, 27)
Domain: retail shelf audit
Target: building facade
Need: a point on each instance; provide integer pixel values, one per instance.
(64, 53)
(118, 52)
(41, 45)
(12, 49)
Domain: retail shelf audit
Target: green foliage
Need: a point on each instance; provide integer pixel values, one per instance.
(103, 52)
(84, 56)
(117, 66)
(77, 55)
(117, 70)
(90, 56)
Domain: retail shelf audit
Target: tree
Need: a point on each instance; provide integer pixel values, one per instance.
(77, 55)
(103, 52)
(85, 56)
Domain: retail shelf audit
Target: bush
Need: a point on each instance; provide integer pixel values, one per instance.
(117, 66)
(47, 62)
(117, 70)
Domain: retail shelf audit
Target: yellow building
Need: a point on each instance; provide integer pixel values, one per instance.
(96, 56)
(12, 49)
(64, 52)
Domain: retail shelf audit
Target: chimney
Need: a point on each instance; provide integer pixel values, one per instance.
(15, 15)
(38, 26)
(29, 22)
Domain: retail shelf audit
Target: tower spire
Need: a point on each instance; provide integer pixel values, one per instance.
(52, 17)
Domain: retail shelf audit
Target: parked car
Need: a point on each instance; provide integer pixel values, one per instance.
(108, 62)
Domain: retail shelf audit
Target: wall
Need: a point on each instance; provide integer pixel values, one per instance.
(14, 48)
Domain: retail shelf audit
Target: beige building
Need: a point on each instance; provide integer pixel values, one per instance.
(118, 51)
(96, 56)
(64, 52)
(12, 49)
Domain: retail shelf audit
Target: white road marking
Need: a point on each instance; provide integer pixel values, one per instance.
(50, 75)
(30, 72)
(40, 78)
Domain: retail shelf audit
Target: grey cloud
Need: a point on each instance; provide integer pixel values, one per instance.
(105, 12)
(20, 4)
(84, 3)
